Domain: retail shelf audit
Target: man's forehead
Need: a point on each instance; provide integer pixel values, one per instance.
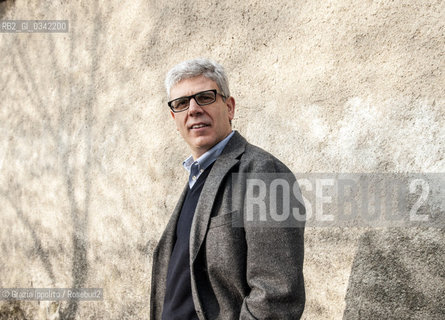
(191, 86)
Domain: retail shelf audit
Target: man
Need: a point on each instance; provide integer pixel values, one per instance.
(207, 264)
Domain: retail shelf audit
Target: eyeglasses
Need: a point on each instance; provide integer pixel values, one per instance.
(202, 98)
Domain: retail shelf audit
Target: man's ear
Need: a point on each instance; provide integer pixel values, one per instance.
(173, 116)
(230, 102)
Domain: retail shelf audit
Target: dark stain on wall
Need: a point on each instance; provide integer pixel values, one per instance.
(5, 6)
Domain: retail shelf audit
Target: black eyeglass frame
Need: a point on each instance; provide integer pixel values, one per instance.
(215, 92)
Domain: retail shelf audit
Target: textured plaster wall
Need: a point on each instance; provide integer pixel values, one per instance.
(90, 158)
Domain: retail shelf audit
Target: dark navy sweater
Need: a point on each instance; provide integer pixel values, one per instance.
(178, 302)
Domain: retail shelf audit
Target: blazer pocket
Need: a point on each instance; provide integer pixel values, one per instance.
(223, 219)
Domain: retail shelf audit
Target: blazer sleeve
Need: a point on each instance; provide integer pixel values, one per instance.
(275, 254)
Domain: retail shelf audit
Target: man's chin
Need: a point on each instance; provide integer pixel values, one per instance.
(202, 142)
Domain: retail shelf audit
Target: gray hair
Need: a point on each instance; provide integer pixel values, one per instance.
(196, 67)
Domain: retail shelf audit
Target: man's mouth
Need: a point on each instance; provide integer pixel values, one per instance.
(199, 125)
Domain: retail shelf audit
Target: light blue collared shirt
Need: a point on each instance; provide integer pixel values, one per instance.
(195, 168)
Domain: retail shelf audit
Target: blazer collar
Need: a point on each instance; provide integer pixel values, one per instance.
(228, 158)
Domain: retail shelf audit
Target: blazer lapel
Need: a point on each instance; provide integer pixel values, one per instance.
(227, 159)
(161, 259)
(168, 238)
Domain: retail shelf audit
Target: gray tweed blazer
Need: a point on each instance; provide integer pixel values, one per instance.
(250, 272)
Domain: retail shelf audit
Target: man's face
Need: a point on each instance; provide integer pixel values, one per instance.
(215, 117)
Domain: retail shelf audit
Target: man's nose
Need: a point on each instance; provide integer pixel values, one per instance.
(194, 108)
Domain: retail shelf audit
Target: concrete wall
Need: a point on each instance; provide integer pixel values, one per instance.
(90, 158)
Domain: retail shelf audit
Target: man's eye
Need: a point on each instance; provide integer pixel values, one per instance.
(181, 103)
(205, 97)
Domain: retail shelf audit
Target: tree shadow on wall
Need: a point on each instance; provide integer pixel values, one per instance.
(398, 274)
(62, 125)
